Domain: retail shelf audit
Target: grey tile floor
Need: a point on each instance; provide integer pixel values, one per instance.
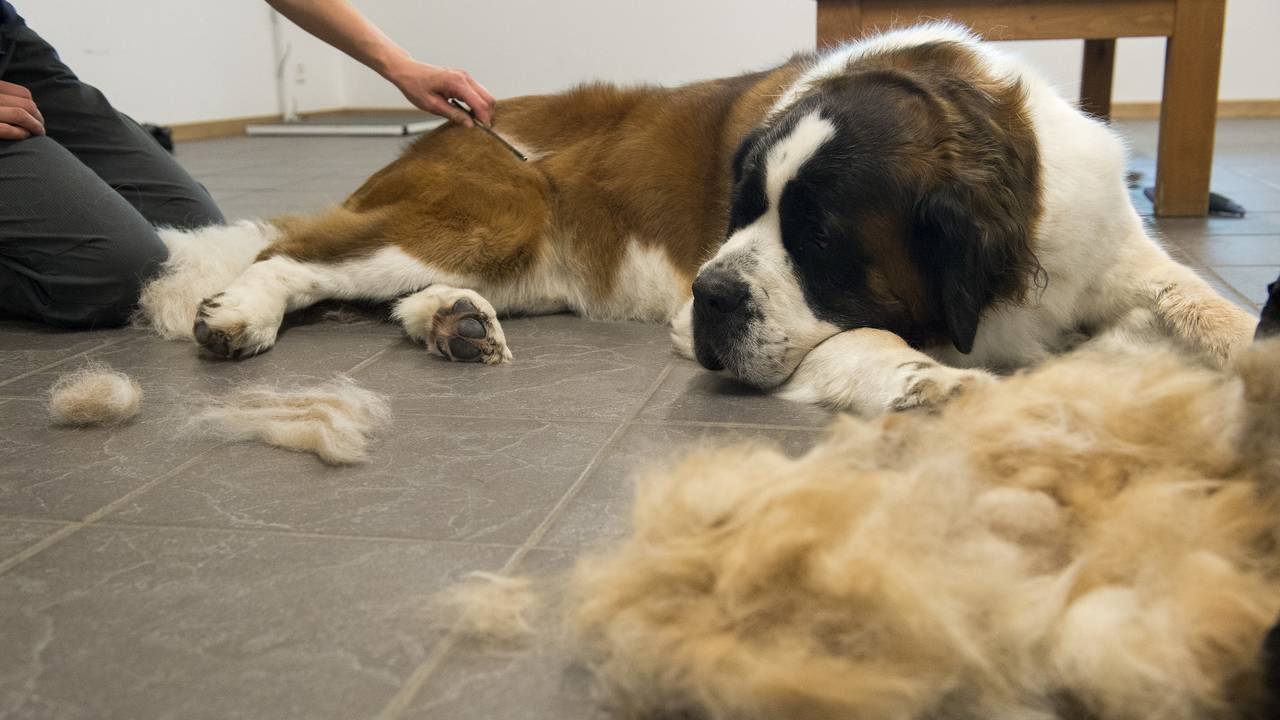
(145, 573)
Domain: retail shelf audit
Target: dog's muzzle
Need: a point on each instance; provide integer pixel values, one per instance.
(722, 311)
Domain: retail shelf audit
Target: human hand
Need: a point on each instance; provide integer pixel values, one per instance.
(19, 116)
(430, 87)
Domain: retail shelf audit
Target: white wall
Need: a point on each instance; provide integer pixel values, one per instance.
(1250, 58)
(529, 47)
(193, 60)
(174, 61)
(518, 48)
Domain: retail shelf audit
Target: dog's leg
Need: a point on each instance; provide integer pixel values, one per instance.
(455, 324)
(1200, 316)
(682, 330)
(870, 371)
(201, 262)
(1187, 306)
(337, 255)
(242, 320)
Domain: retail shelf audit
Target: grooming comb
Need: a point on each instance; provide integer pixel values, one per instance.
(463, 107)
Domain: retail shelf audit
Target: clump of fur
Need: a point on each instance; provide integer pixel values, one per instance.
(202, 263)
(489, 608)
(1094, 538)
(94, 395)
(334, 421)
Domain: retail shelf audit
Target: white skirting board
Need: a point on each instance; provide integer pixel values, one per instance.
(366, 124)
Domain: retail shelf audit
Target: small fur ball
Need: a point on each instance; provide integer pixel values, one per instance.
(489, 608)
(95, 395)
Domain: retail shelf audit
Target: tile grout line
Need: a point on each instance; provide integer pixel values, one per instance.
(1207, 273)
(31, 550)
(413, 684)
(96, 515)
(554, 513)
(50, 366)
(654, 422)
(367, 361)
(1255, 178)
(284, 533)
(733, 425)
(1239, 295)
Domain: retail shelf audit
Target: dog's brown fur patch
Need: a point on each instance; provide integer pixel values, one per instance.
(970, 147)
(608, 164)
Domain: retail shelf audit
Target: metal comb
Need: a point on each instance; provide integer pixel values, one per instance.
(461, 106)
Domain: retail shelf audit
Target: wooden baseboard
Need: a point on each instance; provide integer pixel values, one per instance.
(1226, 109)
(235, 126)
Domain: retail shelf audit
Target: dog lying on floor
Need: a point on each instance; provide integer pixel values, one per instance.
(1094, 538)
(902, 213)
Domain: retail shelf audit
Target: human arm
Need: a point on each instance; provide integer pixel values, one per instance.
(429, 87)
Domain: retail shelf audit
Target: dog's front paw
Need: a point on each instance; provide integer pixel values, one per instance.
(929, 385)
(682, 331)
(226, 328)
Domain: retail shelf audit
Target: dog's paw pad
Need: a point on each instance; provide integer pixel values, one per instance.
(462, 332)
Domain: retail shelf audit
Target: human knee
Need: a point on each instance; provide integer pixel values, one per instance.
(192, 210)
(105, 293)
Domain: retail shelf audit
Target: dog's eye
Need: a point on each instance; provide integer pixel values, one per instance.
(818, 241)
(815, 242)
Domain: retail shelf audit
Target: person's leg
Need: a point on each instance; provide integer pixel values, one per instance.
(79, 118)
(73, 252)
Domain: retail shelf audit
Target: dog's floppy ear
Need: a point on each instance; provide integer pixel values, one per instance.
(744, 148)
(969, 254)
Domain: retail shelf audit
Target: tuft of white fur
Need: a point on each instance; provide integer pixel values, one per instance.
(489, 608)
(334, 420)
(94, 395)
(838, 60)
(201, 263)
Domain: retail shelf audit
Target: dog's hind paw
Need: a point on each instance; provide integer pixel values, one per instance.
(458, 325)
(462, 332)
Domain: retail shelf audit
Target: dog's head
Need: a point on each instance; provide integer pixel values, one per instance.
(883, 198)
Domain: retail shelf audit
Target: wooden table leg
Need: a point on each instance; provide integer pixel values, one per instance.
(1188, 109)
(1095, 78)
(838, 21)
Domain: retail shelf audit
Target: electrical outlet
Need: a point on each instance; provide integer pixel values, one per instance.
(299, 74)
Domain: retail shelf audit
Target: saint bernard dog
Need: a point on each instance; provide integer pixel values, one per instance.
(872, 227)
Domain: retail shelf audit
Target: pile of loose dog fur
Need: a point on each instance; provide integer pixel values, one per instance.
(1096, 538)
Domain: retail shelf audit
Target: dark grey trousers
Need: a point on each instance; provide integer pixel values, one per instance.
(79, 206)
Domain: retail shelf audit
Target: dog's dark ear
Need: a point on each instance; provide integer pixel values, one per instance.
(970, 255)
(744, 149)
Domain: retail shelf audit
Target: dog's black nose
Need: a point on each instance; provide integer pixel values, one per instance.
(720, 291)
